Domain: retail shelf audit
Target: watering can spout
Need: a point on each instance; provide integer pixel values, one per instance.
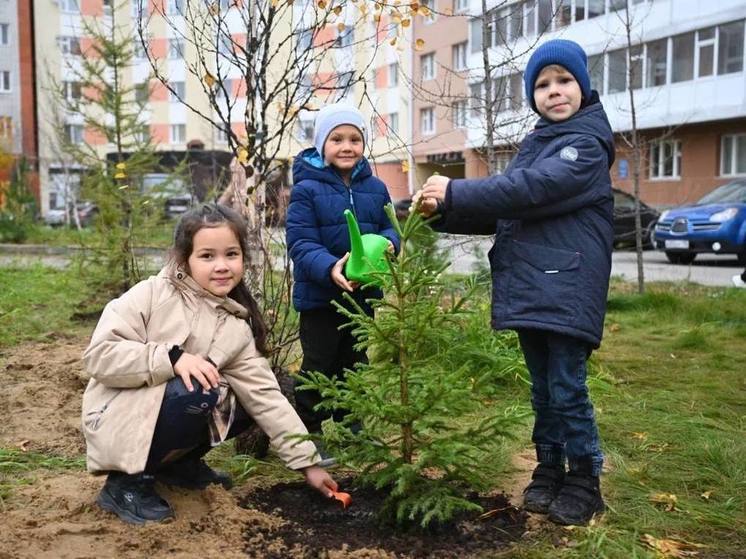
(367, 253)
(356, 241)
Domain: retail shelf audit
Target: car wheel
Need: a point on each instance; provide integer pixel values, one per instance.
(648, 240)
(681, 257)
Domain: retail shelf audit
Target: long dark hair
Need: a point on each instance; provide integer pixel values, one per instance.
(215, 215)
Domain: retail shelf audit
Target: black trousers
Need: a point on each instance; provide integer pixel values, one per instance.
(182, 423)
(327, 350)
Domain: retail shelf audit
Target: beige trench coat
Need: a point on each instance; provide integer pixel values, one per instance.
(128, 364)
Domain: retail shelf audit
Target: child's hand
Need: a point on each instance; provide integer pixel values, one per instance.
(426, 207)
(435, 187)
(338, 276)
(201, 369)
(320, 480)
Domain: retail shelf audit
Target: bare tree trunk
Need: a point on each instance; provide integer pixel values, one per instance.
(635, 153)
(488, 105)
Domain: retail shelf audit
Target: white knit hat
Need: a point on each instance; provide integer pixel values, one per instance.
(335, 115)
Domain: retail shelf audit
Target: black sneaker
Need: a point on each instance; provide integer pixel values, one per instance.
(192, 473)
(544, 487)
(133, 499)
(577, 501)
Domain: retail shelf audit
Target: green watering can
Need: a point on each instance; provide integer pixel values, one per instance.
(368, 253)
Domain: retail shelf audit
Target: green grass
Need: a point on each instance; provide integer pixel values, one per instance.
(36, 301)
(159, 235)
(670, 395)
(19, 468)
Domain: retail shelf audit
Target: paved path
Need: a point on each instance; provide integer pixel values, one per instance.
(468, 254)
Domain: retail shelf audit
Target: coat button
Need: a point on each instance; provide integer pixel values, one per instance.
(179, 276)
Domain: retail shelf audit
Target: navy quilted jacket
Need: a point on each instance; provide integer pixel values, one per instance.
(552, 214)
(316, 229)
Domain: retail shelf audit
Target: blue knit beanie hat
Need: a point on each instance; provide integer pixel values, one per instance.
(335, 115)
(568, 54)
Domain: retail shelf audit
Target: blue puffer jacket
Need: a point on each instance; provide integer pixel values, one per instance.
(554, 209)
(316, 229)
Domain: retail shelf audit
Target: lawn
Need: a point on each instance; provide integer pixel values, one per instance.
(670, 394)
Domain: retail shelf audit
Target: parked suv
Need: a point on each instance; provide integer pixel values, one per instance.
(716, 224)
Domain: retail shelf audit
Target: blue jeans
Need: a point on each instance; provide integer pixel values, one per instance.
(564, 422)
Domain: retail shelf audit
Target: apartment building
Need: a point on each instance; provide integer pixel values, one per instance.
(17, 119)
(688, 80)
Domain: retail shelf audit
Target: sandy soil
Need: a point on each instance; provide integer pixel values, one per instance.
(54, 516)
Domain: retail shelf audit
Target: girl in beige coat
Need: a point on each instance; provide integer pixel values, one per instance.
(176, 367)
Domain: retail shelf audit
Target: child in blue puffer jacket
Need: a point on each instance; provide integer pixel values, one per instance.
(552, 214)
(329, 178)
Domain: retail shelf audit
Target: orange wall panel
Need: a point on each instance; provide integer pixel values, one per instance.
(396, 181)
(159, 47)
(324, 37)
(93, 8)
(159, 133)
(158, 92)
(382, 77)
(93, 137)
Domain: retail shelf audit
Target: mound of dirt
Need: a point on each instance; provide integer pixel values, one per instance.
(318, 527)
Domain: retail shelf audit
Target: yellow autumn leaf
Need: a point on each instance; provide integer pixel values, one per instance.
(275, 2)
(414, 6)
(669, 500)
(640, 436)
(120, 175)
(321, 4)
(242, 154)
(405, 22)
(392, 42)
(121, 165)
(214, 9)
(338, 10)
(396, 18)
(405, 166)
(209, 80)
(378, 7)
(448, 11)
(671, 548)
(424, 11)
(706, 495)
(377, 18)
(340, 27)
(419, 44)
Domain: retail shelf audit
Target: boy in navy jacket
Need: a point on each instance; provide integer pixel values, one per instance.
(329, 178)
(552, 214)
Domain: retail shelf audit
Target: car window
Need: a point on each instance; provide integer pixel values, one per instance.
(732, 192)
(623, 201)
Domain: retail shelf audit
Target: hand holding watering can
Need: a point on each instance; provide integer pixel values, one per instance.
(366, 258)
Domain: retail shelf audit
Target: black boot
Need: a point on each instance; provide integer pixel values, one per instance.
(545, 484)
(192, 473)
(578, 500)
(133, 498)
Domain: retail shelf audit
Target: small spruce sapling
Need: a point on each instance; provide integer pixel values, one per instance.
(426, 435)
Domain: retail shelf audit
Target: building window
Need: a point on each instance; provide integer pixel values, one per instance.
(71, 90)
(475, 99)
(460, 6)
(69, 6)
(74, 133)
(346, 37)
(136, 7)
(683, 58)
(458, 114)
(617, 71)
(142, 134)
(142, 93)
(616, 5)
(595, 8)
(176, 7)
(138, 49)
(108, 6)
(4, 81)
(393, 120)
(500, 94)
(175, 49)
(177, 92)
(635, 67)
(563, 17)
(516, 92)
(665, 159)
(221, 135)
(69, 45)
(705, 52)
(431, 5)
(178, 133)
(393, 74)
(4, 34)
(427, 64)
(305, 130)
(596, 71)
(730, 47)
(427, 120)
(459, 56)
(475, 34)
(657, 60)
(733, 155)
